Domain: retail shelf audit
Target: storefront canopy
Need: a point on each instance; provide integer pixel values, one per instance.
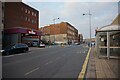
(23, 30)
(110, 28)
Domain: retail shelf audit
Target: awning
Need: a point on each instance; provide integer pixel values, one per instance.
(110, 28)
(23, 30)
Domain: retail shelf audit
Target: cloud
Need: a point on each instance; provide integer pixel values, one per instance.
(69, 0)
(103, 14)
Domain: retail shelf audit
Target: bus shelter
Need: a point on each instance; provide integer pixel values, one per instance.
(108, 41)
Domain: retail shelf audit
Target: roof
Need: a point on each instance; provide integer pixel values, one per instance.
(110, 28)
(115, 25)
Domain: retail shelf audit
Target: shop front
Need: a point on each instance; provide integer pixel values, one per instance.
(108, 41)
(20, 35)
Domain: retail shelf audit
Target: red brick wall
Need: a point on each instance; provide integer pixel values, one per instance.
(12, 14)
(15, 16)
(60, 28)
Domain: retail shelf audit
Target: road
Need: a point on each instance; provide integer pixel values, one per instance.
(54, 62)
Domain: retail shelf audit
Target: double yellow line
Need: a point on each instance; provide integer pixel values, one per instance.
(82, 73)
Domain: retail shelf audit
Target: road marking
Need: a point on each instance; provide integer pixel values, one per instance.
(84, 67)
(48, 62)
(31, 71)
(9, 56)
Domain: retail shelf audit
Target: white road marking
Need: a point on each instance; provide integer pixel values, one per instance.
(48, 62)
(9, 56)
(31, 71)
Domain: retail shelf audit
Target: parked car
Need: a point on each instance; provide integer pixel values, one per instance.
(17, 48)
(41, 45)
(34, 44)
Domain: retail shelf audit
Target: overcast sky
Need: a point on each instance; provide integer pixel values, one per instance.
(103, 13)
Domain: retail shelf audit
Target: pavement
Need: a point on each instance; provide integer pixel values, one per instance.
(102, 68)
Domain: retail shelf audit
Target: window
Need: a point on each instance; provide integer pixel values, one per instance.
(29, 19)
(32, 13)
(32, 21)
(35, 14)
(26, 18)
(22, 8)
(25, 10)
(35, 21)
(29, 12)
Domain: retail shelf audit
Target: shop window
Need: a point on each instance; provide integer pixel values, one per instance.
(26, 18)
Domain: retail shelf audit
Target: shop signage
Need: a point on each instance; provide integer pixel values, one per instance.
(31, 32)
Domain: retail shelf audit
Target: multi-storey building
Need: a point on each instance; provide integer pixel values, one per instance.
(20, 23)
(80, 38)
(60, 33)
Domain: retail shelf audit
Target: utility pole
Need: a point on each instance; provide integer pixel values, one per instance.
(89, 24)
(54, 26)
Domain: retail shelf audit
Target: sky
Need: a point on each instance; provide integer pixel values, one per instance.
(103, 13)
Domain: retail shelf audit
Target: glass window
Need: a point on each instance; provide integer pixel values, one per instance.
(25, 10)
(32, 13)
(26, 18)
(35, 14)
(33, 21)
(29, 12)
(29, 19)
(22, 8)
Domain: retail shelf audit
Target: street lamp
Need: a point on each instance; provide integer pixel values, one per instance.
(54, 26)
(89, 24)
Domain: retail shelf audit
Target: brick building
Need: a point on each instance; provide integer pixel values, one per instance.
(60, 33)
(80, 38)
(20, 23)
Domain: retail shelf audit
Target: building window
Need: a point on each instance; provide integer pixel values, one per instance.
(35, 21)
(32, 13)
(26, 18)
(29, 19)
(29, 12)
(25, 10)
(22, 8)
(32, 21)
(35, 14)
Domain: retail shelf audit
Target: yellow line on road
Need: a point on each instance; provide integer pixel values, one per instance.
(84, 67)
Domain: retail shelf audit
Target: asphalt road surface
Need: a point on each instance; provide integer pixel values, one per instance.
(54, 62)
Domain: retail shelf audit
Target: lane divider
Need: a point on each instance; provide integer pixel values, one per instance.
(84, 67)
(31, 71)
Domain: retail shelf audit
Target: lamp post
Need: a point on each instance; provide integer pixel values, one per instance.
(89, 24)
(54, 26)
